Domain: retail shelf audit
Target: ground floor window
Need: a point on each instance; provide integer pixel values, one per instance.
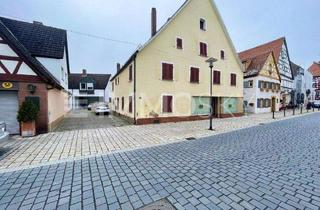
(230, 105)
(167, 104)
(200, 105)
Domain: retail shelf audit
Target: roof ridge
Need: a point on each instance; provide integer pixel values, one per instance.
(26, 22)
(262, 45)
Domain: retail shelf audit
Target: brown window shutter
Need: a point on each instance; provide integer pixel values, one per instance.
(170, 104)
(216, 77)
(122, 103)
(203, 49)
(194, 74)
(130, 104)
(219, 77)
(167, 71)
(130, 73)
(179, 43)
(233, 79)
(167, 104)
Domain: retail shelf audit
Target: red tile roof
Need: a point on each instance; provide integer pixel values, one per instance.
(255, 63)
(274, 46)
(315, 69)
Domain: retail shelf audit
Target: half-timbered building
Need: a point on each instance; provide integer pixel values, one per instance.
(34, 65)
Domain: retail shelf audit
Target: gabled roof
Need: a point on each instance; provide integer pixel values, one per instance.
(170, 19)
(274, 46)
(315, 69)
(255, 63)
(100, 80)
(295, 69)
(39, 40)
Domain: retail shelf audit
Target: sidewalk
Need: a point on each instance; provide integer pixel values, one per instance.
(69, 145)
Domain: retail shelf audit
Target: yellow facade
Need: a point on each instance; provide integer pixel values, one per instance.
(162, 48)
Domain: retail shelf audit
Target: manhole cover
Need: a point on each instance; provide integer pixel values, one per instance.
(162, 204)
(190, 139)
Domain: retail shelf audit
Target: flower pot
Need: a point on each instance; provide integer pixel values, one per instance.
(28, 129)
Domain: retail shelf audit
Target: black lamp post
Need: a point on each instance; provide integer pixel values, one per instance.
(211, 61)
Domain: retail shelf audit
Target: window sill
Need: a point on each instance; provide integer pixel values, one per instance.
(204, 56)
(167, 80)
(196, 83)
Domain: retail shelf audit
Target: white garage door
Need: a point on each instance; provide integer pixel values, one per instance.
(8, 110)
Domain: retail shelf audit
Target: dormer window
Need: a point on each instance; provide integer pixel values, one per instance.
(83, 86)
(90, 86)
(203, 24)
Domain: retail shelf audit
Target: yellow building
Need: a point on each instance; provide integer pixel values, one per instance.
(168, 79)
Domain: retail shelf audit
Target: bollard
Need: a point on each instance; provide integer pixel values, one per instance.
(301, 109)
(273, 115)
(284, 112)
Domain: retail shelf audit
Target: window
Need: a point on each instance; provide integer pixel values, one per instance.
(130, 73)
(130, 104)
(167, 104)
(122, 103)
(222, 55)
(248, 84)
(62, 74)
(167, 71)
(90, 86)
(233, 81)
(216, 77)
(112, 86)
(203, 49)
(194, 75)
(179, 43)
(83, 86)
(117, 108)
(203, 25)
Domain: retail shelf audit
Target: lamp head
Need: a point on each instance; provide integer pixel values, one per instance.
(211, 61)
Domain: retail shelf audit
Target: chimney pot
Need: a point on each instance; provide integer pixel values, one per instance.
(84, 72)
(118, 67)
(153, 22)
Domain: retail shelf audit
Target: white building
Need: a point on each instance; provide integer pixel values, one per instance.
(88, 88)
(261, 83)
(281, 53)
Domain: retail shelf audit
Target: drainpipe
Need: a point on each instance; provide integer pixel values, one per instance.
(134, 91)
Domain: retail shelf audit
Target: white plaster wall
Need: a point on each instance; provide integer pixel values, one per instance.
(253, 94)
(54, 66)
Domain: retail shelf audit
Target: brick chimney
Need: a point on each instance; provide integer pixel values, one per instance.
(118, 67)
(84, 72)
(153, 22)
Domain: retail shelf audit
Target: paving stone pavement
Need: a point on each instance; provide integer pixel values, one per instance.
(75, 144)
(273, 166)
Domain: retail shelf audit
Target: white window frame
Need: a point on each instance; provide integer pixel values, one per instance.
(177, 37)
(173, 71)
(161, 105)
(200, 48)
(205, 24)
(88, 87)
(190, 74)
(81, 86)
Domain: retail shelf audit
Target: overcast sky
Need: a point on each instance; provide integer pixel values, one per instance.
(249, 22)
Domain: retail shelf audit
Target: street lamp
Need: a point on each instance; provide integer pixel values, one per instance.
(211, 61)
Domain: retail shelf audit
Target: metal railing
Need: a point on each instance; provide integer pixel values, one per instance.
(2, 128)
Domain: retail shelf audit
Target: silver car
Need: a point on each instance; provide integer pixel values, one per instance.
(102, 109)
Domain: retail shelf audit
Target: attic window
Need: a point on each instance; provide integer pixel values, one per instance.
(203, 25)
(222, 55)
(83, 86)
(90, 86)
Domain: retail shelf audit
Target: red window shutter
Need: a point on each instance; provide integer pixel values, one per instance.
(203, 49)
(194, 74)
(130, 73)
(167, 104)
(130, 104)
(122, 103)
(233, 79)
(167, 71)
(179, 43)
(216, 77)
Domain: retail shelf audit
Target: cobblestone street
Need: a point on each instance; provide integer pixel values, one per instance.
(271, 166)
(70, 145)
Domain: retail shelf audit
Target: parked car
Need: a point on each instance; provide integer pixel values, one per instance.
(102, 109)
(316, 104)
(90, 107)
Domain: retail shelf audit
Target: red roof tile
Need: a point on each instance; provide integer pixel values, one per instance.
(274, 46)
(315, 69)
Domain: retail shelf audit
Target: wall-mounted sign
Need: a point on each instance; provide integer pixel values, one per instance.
(8, 86)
